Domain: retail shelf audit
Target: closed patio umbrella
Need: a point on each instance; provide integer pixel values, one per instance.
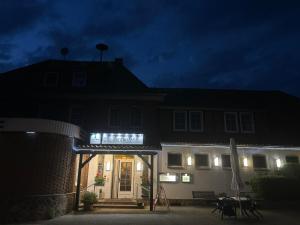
(236, 183)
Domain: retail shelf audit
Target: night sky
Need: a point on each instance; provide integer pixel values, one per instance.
(244, 44)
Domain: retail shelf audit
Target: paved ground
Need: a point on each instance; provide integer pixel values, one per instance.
(177, 216)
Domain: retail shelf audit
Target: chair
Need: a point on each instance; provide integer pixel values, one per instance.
(227, 207)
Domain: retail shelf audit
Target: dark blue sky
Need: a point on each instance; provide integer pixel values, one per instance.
(245, 44)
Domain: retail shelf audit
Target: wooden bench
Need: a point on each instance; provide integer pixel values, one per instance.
(206, 196)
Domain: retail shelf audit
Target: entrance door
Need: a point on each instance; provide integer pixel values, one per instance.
(125, 179)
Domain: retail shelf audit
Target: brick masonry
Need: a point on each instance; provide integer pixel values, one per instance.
(37, 175)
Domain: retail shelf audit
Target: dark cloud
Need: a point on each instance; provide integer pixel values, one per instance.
(16, 16)
(209, 44)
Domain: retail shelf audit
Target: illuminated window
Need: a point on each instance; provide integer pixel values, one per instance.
(51, 79)
(79, 79)
(226, 162)
(174, 159)
(196, 120)
(259, 162)
(292, 159)
(201, 160)
(247, 122)
(179, 121)
(231, 122)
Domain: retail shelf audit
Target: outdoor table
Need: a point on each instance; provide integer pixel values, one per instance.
(246, 206)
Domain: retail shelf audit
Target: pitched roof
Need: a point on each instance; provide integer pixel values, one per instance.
(227, 99)
(102, 77)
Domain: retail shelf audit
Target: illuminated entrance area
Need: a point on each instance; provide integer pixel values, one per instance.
(119, 166)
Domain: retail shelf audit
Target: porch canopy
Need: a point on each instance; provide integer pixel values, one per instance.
(124, 149)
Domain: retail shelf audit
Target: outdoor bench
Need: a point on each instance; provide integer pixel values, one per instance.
(206, 196)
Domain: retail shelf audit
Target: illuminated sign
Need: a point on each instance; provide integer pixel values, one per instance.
(167, 177)
(95, 138)
(186, 178)
(122, 139)
(117, 138)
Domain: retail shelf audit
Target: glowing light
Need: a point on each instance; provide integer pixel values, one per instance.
(216, 161)
(189, 161)
(245, 162)
(278, 163)
(139, 166)
(30, 132)
(107, 166)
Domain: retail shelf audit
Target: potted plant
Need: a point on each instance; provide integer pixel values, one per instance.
(99, 180)
(88, 199)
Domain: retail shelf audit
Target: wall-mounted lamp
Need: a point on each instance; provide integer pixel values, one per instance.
(216, 161)
(107, 166)
(189, 160)
(278, 163)
(245, 162)
(139, 166)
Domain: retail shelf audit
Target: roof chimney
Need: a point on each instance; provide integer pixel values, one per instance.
(119, 61)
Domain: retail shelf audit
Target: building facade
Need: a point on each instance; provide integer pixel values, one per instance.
(123, 122)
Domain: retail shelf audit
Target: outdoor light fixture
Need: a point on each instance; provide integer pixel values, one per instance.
(245, 162)
(139, 166)
(30, 132)
(216, 161)
(278, 163)
(189, 160)
(107, 166)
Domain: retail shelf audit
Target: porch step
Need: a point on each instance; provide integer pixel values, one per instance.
(118, 203)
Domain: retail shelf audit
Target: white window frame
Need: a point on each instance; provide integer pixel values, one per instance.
(236, 120)
(260, 168)
(46, 84)
(175, 166)
(185, 116)
(226, 167)
(190, 122)
(252, 121)
(208, 161)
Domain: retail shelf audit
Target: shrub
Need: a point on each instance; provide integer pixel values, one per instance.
(291, 170)
(88, 199)
(276, 187)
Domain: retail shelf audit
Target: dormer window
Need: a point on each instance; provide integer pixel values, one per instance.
(79, 79)
(51, 79)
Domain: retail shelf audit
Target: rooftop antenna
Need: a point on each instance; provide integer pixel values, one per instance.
(101, 48)
(64, 52)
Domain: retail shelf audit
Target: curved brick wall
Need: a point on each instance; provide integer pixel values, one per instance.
(38, 174)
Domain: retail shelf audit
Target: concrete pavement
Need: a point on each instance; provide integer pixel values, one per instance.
(177, 216)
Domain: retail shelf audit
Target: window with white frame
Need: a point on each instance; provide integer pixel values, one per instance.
(79, 79)
(231, 122)
(292, 159)
(247, 122)
(51, 79)
(226, 161)
(174, 160)
(201, 160)
(259, 162)
(179, 121)
(196, 121)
